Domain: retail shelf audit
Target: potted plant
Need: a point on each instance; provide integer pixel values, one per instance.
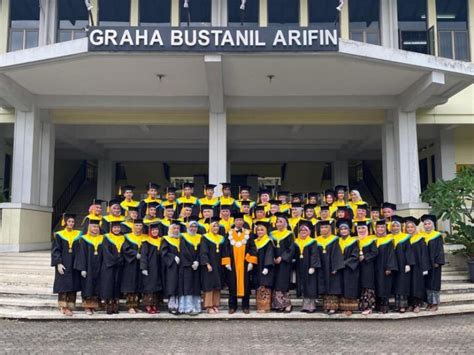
(453, 201)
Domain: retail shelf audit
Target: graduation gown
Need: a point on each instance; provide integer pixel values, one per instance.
(169, 250)
(434, 242)
(211, 253)
(132, 277)
(368, 246)
(265, 259)
(107, 220)
(404, 255)
(189, 279)
(385, 260)
(331, 260)
(151, 260)
(126, 227)
(64, 250)
(89, 259)
(142, 206)
(238, 279)
(85, 223)
(111, 267)
(307, 256)
(164, 226)
(284, 248)
(351, 272)
(422, 263)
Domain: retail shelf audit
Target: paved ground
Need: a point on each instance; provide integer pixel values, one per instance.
(450, 334)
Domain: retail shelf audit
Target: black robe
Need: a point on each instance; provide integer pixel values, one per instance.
(402, 279)
(436, 256)
(164, 226)
(131, 277)
(367, 266)
(286, 250)
(90, 260)
(110, 271)
(385, 260)
(306, 284)
(125, 229)
(189, 279)
(265, 257)
(422, 263)
(331, 260)
(351, 272)
(60, 254)
(151, 260)
(230, 276)
(208, 255)
(170, 278)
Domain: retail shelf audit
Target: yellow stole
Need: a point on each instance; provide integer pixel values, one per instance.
(415, 238)
(174, 241)
(344, 243)
(326, 241)
(431, 236)
(154, 241)
(261, 242)
(69, 237)
(125, 204)
(227, 224)
(116, 240)
(366, 241)
(216, 239)
(151, 221)
(226, 200)
(149, 199)
(184, 199)
(194, 240)
(303, 243)
(249, 220)
(278, 236)
(384, 240)
(212, 202)
(136, 239)
(95, 241)
(400, 238)
(110, 218)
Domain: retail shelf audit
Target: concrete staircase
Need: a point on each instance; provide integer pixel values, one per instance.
(81, 202)
(26, 293)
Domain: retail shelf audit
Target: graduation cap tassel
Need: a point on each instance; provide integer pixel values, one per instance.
(186, 6)
(339, 10)
(89, 8)
(242, 11)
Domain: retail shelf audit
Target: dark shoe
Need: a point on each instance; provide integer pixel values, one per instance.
(246, 311)
(231, 311)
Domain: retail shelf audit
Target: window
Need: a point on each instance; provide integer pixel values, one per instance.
(155, 12)
(72, 20)
(323, 12)
(197, 14)
(453, 37)
(24, 24)
(283, 12)
(248, 16)
(364, 23)
(114, 12)
(413, 32)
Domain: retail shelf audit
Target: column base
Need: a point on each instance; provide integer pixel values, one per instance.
(25, 227)
(412, 209)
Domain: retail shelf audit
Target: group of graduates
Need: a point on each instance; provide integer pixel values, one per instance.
(187, 249)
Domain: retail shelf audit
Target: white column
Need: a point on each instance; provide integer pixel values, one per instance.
(340, 172)
(400, 159)
(217, 147)
(47, 158)
(445, 155)
(105, 179)
(219, 13)
(389, 23)
(48, 22)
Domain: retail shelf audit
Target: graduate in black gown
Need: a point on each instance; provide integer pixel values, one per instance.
(168, 216)
(189, 272)
(127, 224)
(95, 212)
(434, 242)
(308, 264)
(89, 262)
(262, 277)
(150, 265)
(332, 264)
(421, 266)
(385, 266)
(114, 214)
(349, 301)
(170, 247)
(65, 248)
(111, 268)
(212, 244)
(367, 256)
(152, 198)
(132, 278)
(283, 239)
(405, 261)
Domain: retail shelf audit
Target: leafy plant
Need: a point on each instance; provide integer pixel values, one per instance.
(453, 201)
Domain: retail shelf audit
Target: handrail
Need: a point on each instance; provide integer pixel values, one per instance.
(86, 172)
(372, 184)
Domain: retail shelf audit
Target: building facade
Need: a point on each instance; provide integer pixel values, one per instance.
(390, 110)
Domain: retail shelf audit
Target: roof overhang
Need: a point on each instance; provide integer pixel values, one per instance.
(359, 75)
